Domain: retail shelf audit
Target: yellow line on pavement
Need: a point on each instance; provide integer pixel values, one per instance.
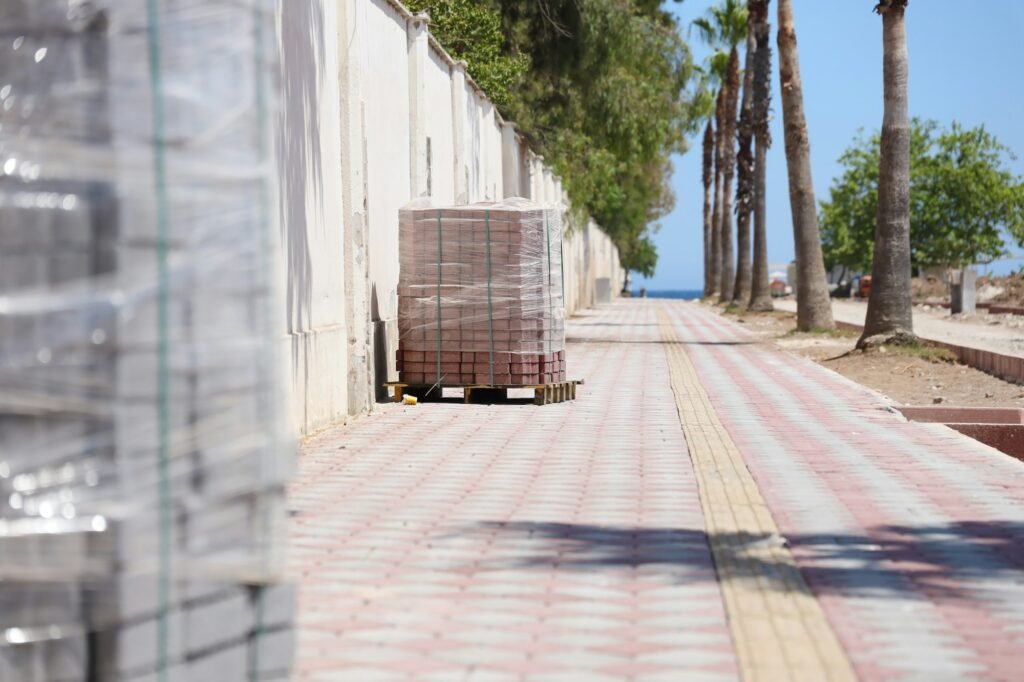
(779, 629)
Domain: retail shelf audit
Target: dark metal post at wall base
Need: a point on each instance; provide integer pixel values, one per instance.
(381, 359)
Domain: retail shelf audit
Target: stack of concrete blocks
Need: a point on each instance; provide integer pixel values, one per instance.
(143, 457)
(480, 295)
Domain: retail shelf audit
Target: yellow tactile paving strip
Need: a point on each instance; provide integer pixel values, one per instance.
(778, 627)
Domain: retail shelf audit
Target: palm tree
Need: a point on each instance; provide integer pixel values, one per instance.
(760, 290)
(731, 90)
(724, 27)
(709, 181)
(889, 317)
(716, 213)
(813, 307)
(745, 177)
(704, 108)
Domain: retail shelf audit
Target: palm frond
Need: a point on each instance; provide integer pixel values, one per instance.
(718, 64)
(707, 30)
(723, 25)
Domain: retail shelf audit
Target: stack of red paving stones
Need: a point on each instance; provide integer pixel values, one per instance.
(480, 295)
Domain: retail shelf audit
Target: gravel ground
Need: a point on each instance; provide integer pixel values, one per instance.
(905, 378)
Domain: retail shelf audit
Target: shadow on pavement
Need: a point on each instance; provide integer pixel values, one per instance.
(901, 562)
(628, 342)
(615, 324)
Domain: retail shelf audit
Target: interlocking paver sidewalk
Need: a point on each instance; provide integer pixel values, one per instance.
(571, 541)
(455, 542)
(911, 535)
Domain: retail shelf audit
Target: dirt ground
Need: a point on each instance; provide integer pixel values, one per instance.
(908, 377)
(1008, 290)
(929, 290)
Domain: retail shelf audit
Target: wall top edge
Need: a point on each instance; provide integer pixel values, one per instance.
(453, 63)
(408, 15)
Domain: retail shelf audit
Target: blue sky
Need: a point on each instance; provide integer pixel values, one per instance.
(963, 66)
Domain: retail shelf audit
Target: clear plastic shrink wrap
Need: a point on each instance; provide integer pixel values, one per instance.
(143, 454)
(480, 295)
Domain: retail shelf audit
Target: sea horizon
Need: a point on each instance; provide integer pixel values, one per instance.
(677, 294)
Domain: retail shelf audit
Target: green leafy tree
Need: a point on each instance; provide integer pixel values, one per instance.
(968, 199)
(606, 102)
(641, 254)
(963, 200)
(472, 31)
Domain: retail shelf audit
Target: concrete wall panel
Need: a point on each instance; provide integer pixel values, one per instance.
(440, 124)
(386, 102)
(474, 143)
(494, 183)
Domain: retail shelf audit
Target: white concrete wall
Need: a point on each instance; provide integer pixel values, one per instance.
(311, 263)
(384, 74)
(439, 129)
(355, 224)
(364, 88)
(493, 171)
(474, 144)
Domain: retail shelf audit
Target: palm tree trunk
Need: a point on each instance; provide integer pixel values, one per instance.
(760, 291)
(814, 309)
(716, 216)
(745, 180)
(709, 181)
(732, 90)
(760, 287)
(889, 305)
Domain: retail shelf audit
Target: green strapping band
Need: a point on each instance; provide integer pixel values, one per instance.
(259, 67)
(438, 297)
(561, 264)
(163, 315)
(551, 301)
(490, 310)
(547, 232)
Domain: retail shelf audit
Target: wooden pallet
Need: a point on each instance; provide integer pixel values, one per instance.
(543, 394)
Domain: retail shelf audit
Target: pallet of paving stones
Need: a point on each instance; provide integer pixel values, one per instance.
(543, 394)
(143, 452)
(480, 300)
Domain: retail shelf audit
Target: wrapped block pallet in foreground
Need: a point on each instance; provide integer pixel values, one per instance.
(480, 295)
(143, 454)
